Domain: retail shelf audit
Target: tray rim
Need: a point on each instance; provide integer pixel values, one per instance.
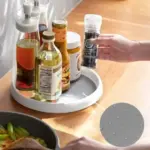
(96, 94)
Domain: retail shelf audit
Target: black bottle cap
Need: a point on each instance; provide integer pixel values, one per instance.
(48, 35)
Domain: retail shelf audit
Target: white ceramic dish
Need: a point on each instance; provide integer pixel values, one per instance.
(82, 94)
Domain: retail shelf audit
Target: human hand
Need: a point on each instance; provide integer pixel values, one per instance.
(86, 144)
(115, 47)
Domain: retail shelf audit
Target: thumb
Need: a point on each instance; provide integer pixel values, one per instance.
(102, 41)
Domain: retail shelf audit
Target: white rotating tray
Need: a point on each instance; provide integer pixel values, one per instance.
(82, 94)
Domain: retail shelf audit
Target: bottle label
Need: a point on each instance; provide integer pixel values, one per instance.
(90, 51)
(60, 34)
(66, 77)
(50, 84)
(75, 66)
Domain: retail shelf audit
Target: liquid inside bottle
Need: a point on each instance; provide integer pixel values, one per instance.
(27, 48)
(25, 53)
(49, 66)
(60, 30)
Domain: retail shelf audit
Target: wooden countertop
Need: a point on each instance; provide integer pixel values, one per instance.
(122, 82)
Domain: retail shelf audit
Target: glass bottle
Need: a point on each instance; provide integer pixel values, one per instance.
(49, 66)
(60, 29)
(40, 11)
(43, 25)
(26, 49)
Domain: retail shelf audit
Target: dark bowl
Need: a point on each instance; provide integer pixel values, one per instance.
(36, 127)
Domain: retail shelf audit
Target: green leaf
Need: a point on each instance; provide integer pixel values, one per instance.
(4, 136)
(41, 141)
(11, 132)
(24, 131)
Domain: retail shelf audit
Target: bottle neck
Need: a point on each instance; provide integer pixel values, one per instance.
(32, 35)
(43, 19)
(48, 45)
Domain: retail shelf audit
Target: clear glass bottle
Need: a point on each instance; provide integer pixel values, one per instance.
(40, 10)
(49, 69)
(27, 47)
(60, 29)
(43, 25)
(43, 21)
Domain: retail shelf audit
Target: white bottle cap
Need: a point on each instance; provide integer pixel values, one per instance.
(25, 23)
(27, 7)
(92, 23)
(73, 40)
(36, 9)
(36, 3)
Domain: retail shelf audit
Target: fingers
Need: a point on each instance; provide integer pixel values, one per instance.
(73, 144)
(67, 148)
(106, 39)
(107, 35)
(74, 141)
(103, 40)
(104, 53)
(70, 146)
(113, 54)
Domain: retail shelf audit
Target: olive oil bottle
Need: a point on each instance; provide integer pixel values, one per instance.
(49, 69)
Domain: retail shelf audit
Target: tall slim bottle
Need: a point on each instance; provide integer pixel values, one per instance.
(43, 23)
(26, 49)
(60, 29)
(40, 11)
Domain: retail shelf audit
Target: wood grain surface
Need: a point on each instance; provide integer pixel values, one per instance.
(123, 82)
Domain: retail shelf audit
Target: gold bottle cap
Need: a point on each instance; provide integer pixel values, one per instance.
(48, 35)
(62, 23)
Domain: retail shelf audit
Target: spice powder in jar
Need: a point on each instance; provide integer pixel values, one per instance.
(74, 50)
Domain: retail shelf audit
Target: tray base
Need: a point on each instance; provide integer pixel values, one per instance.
(78, 91)
(83, 93)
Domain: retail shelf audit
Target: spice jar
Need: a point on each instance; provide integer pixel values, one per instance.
(74, 50)
(92, 24)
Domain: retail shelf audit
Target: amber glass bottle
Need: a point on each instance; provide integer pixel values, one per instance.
(60, 29)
